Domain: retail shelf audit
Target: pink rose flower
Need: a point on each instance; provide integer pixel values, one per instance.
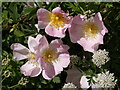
(50, 59)
(55, 22)
(54, 57)
(32, 67)
(88, 33)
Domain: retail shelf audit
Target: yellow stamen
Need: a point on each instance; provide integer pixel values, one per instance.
(31, 56)
(90, 29)
(49, 55)
(57, 20)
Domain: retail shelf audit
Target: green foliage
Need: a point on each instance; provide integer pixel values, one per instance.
(18, 22)
(56, 79)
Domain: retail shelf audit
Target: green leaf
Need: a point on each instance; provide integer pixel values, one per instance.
(18, 33)
(4, 17)
(56, 79)
(44, 82)
(0, 3)
(52, 5)
(5, 14)
(27, 11)
(89, 72)
(118, 17)
(39, 4)
(14, 11)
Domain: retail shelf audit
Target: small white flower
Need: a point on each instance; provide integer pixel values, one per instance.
(7, 73)
(100, 57)
(105, 80)
(23, 81)
(69, 86)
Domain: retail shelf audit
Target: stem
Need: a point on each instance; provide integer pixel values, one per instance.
(3, 79)
(80, 70)
(13, 86)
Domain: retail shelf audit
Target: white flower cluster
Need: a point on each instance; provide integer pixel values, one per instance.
(100, 57)
(69, 86)
(23, 81)
(105, 80)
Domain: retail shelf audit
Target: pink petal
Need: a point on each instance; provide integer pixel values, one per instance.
(48, 71)
(64, 60)
(91, 44)
(51, 70)
(30, 69)
(79, 19)
(38, 37)
(98, 20)
(43, 18)
(84, 82)
(57, 67)
(70, 19)
(36, 71)
(42, 24)
(43, 43)
(32, 44)
(104, 31)
(20, 52)
(41, 62)
(57, 10)
(58, 44)
(75, 33)
(55, 32)
(98, 17)
(95, 86)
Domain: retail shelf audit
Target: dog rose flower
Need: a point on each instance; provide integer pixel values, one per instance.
(50, 59)
(32, 67)
(88, 33)
(54, 57)
(55, 23)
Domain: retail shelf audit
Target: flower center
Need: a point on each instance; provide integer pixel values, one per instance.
(32, 56)
(57, 20)
(90, 29)
(49, 54)
(32, 59)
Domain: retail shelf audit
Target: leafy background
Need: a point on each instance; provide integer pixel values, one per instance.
(18, 22)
